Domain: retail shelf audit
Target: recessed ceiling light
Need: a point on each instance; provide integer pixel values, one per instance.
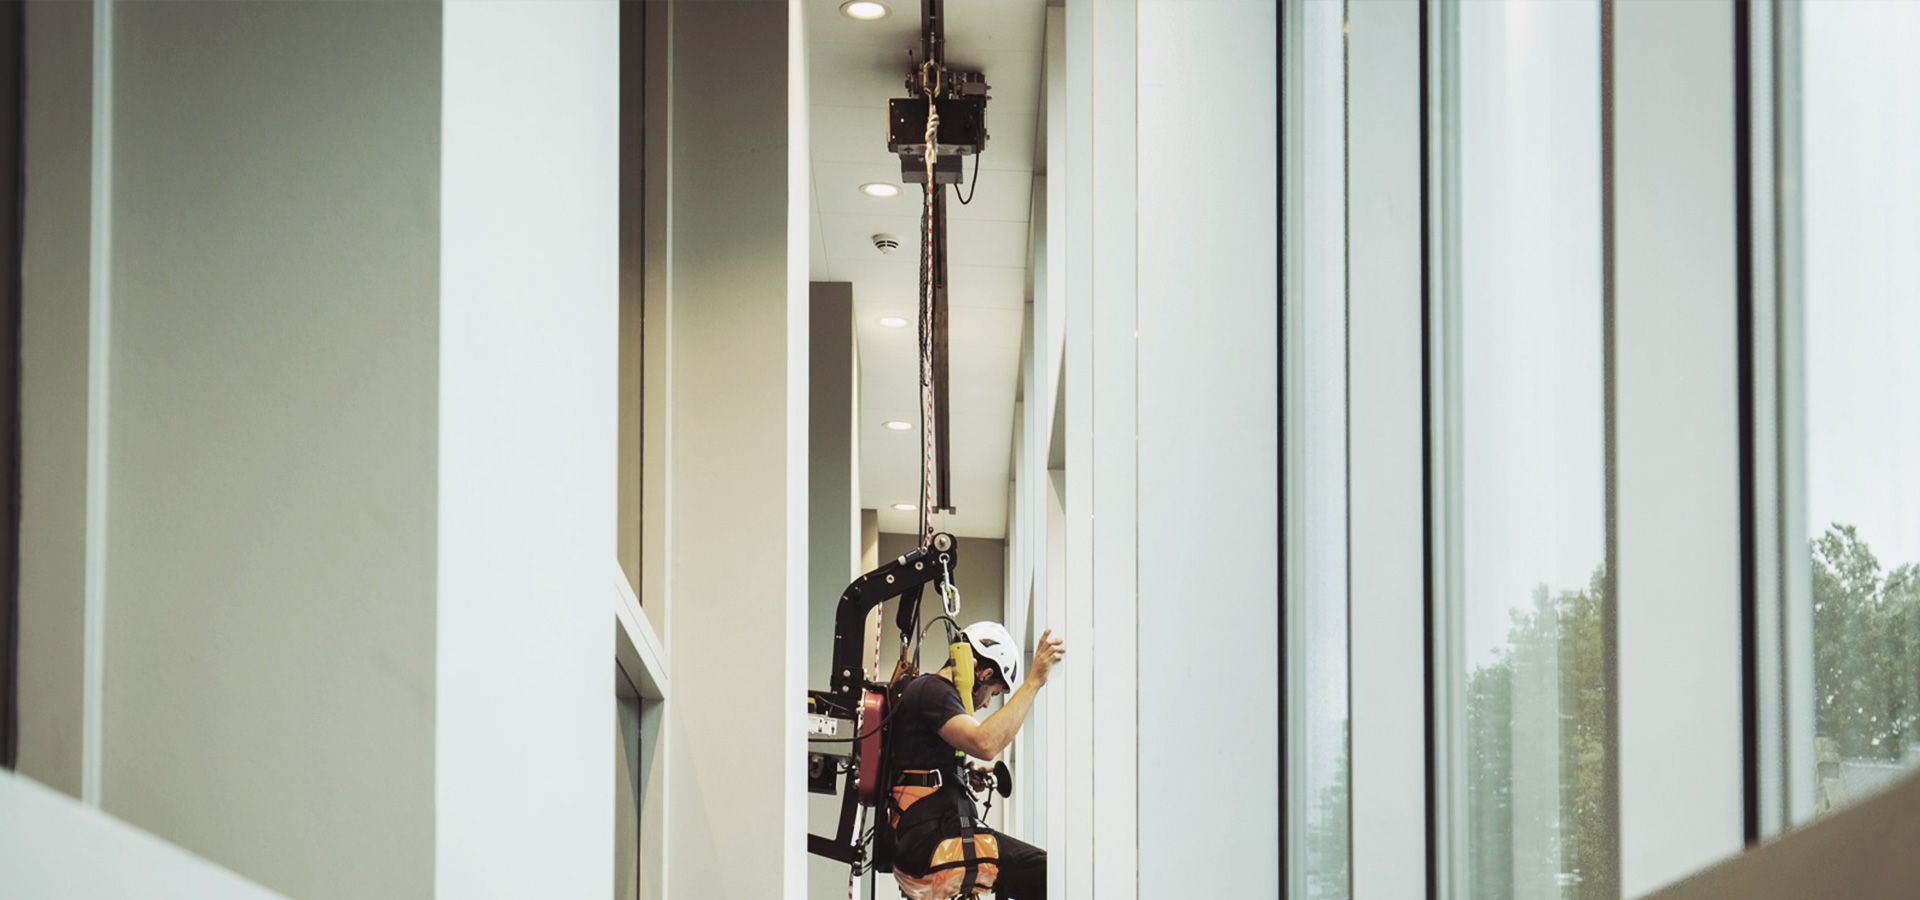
(905, 507)
(864, 10)
(893, 321)
(897, 425)
(880, 189)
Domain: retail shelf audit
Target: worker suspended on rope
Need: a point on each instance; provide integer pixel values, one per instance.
(941, 847)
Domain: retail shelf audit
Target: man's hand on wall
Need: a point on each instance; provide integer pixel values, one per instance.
(1045, 654)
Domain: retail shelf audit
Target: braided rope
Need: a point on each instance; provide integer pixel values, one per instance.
(928, 449)
(859, 728)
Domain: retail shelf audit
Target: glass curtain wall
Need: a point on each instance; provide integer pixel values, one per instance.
(1523, 625)
(1860, 187)
(1314, 436)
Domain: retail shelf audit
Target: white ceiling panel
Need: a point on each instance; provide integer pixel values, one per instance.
(849, 238)
(825, 25)
(884, 290)
(1000, 195)
(990, 243)
(1010, 198)
(862, 74)
(846, 198)
(1009, 141)
(1000, 287)
(856, 134)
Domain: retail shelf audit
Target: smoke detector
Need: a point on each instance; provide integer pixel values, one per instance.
(885, 243)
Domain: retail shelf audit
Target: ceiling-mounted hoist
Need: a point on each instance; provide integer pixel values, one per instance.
(942, 120)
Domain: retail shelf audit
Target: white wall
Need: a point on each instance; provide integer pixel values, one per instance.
(528, 332)
(269, 451)
(1675, 452)
(51, 846)
(1208, 448)
(1070, 613)
(1387, 636)
(737, 561)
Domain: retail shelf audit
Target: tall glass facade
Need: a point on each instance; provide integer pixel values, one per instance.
(1861, 314)
(1525, 751)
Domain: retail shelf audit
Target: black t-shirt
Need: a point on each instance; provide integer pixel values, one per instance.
(926, 703)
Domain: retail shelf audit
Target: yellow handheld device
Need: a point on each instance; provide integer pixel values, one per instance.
(962, 653)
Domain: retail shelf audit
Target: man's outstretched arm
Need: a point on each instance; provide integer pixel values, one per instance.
(985, 739)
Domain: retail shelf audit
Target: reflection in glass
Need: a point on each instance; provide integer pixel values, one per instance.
(1530, 813)
(1316, 454)
(1861, 195)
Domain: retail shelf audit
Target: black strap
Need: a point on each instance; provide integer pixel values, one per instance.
(967, 855)
(932, 778)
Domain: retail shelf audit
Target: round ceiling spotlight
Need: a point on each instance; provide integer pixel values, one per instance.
(880, 189)
(897, 425)
(864, 10)
(893, 322)
(905, 507)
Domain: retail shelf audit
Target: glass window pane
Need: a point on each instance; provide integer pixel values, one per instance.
(1528, 811)
(1315, 465)
(1861, 183)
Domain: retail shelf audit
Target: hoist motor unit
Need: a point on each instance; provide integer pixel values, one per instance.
(963, 132)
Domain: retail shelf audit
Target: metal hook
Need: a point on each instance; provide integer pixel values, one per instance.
(949, 595)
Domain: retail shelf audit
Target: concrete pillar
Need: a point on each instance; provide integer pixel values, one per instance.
(1172, 448)
(53, 393)
(738, 436)
(833, 527)
(1674, 449)
(528, 348)
(1208, 447)
(265, 257)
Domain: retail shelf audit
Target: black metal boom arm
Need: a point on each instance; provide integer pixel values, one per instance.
(893, 578)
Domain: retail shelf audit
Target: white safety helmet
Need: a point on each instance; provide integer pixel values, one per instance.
(992, 643)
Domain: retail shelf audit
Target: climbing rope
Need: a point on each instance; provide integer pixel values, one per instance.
(929, 85)
(859, 728)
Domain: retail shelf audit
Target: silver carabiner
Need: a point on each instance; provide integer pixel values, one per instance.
(949, 595)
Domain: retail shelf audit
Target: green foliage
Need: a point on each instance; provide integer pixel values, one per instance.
(1541, 705)
(1327, 844)
(1866, 649)
(1545, 692)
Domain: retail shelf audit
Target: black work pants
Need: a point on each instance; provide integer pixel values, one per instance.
(1023, 870)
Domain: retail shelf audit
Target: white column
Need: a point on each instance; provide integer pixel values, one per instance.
(1049, 541)
(1110, 654)
(833, 526)
(270, 340)
(1675, 453)
(1387, 641)
(1071, 865)
(1208, 515)
(738, 436)
(528, 374)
